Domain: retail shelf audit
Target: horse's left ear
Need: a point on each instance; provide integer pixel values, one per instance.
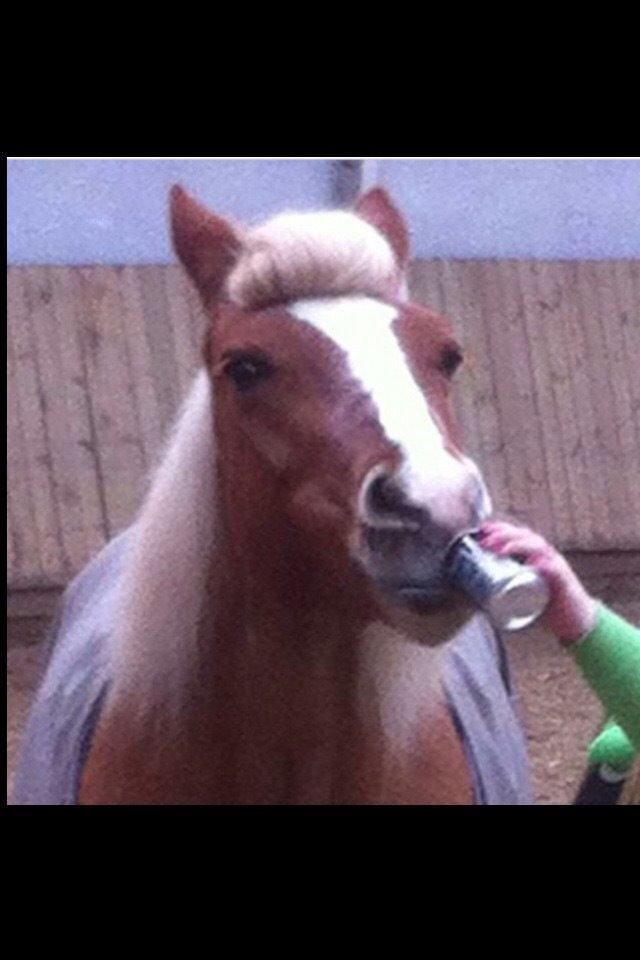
(207, 245)
(376, 207)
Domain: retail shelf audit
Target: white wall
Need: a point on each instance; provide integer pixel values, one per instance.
(115, 211)
(528, 209)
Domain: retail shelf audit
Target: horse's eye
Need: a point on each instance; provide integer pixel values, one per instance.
(450, 360)
(246, 370)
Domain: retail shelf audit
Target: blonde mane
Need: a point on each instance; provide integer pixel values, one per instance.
(161, 612)
(294, 256)
(161, 608)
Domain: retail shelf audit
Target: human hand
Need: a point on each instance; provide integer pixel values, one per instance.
(571, 611)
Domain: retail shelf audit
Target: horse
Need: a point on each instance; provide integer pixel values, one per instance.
(276, 627)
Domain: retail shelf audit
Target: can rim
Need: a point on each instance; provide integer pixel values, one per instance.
(470, 532)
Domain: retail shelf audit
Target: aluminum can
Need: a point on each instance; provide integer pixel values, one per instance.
(512, 595)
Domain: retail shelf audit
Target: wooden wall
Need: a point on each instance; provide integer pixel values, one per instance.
(550, 399)
(100, 357)
(98, 361)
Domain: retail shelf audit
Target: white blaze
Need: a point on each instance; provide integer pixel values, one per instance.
(363, 328)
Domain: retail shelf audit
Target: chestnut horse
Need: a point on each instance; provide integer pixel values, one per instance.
(281, 617)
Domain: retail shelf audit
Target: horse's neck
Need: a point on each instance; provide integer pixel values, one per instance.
(295, 705)
(299, 694)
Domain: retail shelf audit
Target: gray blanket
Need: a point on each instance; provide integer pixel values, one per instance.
(67, 707)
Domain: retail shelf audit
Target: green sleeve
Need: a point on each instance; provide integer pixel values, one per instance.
(609, 658)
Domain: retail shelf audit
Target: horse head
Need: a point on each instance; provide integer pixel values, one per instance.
(332, 410)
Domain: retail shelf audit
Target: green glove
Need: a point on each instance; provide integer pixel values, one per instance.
(612, 748)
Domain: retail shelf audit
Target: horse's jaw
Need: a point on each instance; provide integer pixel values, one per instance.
(428, 626)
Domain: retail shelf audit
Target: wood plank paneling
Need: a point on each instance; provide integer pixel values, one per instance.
(83, 508)
(519, 413)
(158, 331)
(484, 392)
(145, 397)
(553, 310)
(33, 485)
(623, 428)
(627, 319)
(99, 359)
(119, 459)
(23, 550)
(556, 391)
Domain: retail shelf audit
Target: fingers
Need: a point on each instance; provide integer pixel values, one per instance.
(498, 531)
(502, 527)
(507, 539)
(551, 566)
(526, 547)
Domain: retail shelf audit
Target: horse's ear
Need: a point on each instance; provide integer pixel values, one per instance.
(376, 207)
(207, 245)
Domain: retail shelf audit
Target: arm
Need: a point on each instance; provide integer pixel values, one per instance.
(609, 658)
(605, 647)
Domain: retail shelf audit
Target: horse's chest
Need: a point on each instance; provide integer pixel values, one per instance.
(428, 766)
(416, 759)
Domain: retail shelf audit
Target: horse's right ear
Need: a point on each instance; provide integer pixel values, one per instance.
(377, 208)
(207, 245)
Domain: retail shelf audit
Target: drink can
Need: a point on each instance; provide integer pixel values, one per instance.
(512, 595)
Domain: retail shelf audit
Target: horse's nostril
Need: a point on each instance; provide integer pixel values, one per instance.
(440, 506)
(386, 505)
(384, 496)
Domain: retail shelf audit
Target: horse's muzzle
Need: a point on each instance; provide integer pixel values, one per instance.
(408, 565)
(436, 514)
